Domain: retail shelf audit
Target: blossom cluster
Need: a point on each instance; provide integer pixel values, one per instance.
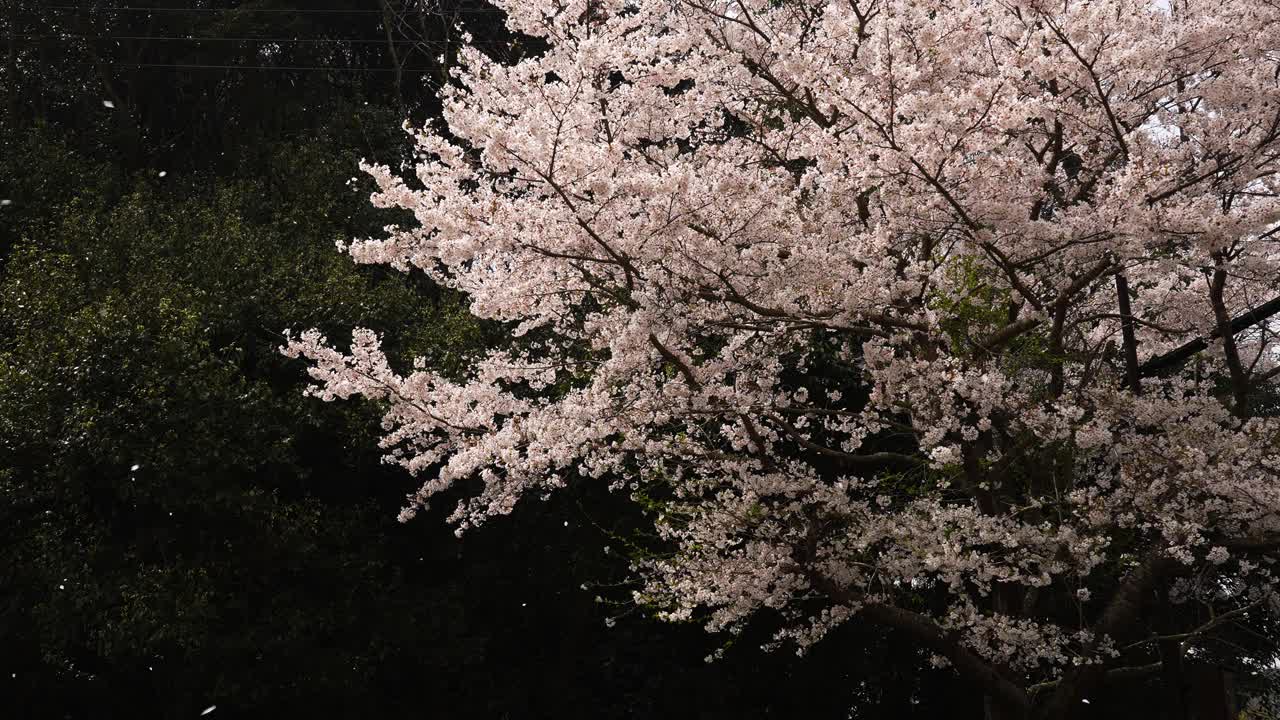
(947, 315)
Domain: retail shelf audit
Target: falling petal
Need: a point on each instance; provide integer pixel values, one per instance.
(6, 201)
(163, 173)
(108, 104)
(134, 468)
(208, 710)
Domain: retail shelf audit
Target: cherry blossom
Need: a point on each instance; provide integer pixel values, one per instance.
(950, 317)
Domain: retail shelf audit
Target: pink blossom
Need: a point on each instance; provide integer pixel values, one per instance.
(777, 243)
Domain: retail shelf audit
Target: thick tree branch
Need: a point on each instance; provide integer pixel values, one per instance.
(1239, 379)
(1176, 357)
(1133, 594)
(877, 458)
(933, 636)
(1120, 674)
(994, 341)
(681, 366)
(1132, 379)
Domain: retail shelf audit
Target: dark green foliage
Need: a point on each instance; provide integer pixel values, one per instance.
(165, 506)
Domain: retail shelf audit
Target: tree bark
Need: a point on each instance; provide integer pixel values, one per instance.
(1174, 358)
(1132, 378)
(1239, 378)
(1174, 677)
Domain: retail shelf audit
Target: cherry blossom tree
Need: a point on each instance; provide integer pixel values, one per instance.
(946, 316)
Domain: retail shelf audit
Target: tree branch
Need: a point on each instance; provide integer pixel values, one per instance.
(1126, 604)
(933, 636)
(1181, 354)
(1127, 333)
(878, 458)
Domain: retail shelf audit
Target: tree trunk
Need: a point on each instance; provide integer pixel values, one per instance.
(1174, 677)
